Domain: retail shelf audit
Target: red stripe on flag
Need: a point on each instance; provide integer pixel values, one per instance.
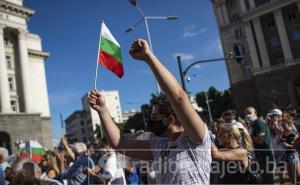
(35, 157)
(111, 63)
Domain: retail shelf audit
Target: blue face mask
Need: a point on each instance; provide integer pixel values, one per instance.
(251, 118)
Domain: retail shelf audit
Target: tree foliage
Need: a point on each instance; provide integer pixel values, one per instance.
(135, 122)
(220, 101)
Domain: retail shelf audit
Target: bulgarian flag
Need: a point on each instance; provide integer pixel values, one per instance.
(110, 52)
(33, 150)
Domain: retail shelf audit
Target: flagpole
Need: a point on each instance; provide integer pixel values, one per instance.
(97, 66)
(62, 126)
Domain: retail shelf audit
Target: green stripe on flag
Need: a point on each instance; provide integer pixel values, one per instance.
(34, 151)
(111, 48)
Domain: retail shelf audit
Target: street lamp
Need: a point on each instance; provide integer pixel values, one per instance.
(145, 19)
(207, 100)
(183, 73)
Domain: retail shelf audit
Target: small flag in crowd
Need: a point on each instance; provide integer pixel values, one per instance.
(110, 52)
(32, 149)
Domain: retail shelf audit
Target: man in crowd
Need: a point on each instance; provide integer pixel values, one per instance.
(182, 138)
(75, 173)
(262, 144)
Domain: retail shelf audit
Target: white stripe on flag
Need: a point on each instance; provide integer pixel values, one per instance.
(107, 34)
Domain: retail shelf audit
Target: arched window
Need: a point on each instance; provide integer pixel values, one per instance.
(5, 141)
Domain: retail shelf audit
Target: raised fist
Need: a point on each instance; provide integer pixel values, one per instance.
(140, 50)
(96, 100)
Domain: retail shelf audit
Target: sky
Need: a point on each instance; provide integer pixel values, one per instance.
(70, 33)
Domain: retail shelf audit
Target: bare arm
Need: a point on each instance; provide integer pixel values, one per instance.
(190, 120)
(132, 148)
(67, 148)
(229, 155)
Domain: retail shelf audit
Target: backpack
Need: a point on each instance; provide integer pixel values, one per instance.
(253, 171)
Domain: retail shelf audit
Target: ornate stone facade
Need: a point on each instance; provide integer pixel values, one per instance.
(267, 34)
(24, 104)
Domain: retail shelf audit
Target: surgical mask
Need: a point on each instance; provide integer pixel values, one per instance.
(158, 127)
(251, 118)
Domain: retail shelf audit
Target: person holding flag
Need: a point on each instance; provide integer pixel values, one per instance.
(180, 138)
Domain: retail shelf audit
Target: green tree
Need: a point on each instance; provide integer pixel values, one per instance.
(97, 131)
(220, 101)
(134, 122)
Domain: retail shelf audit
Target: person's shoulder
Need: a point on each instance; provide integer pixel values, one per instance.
(205, 141)
(260, 122)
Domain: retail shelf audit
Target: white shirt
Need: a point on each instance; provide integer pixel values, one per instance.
(108, 163)
(182, 161)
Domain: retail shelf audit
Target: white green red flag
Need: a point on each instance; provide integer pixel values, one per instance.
(33, 150)
(110, 52)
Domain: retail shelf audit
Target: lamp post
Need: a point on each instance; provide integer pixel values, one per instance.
(207, 100)
(145, 19)
(183, 73)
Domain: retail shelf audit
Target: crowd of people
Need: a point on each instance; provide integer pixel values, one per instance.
(180, 149)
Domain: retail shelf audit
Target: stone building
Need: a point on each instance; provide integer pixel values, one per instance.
(81, 124)
(24, 105)
(267, 34)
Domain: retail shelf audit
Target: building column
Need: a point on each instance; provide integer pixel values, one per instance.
(219, 15)
(298, 4)
(252, 47)
(225, 14)
(252, 4)
(284, 39)
(243, 6)
(4, 86)
(262, 44)
(24, 65)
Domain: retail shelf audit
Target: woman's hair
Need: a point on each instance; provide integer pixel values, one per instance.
(238, 133)
(24, 177)
(52, 161)
(25, 172)
(287, 118)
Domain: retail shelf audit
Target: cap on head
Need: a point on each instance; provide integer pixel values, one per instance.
(79, 148)
(275, 112)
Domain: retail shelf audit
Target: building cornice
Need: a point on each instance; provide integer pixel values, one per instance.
(276, 68)
(15, 9)
(266, 8)
(39, 54)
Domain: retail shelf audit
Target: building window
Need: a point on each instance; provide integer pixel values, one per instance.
(81, 123)
(82, 130)
(239, 50)
(11, 83)
(296, 35)
(292, 16)
(271, 23)
(275, 42)
(238, 33)
(9, 62)
(84, 139)
(236, 17)
(232, 4)
(13, 105)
